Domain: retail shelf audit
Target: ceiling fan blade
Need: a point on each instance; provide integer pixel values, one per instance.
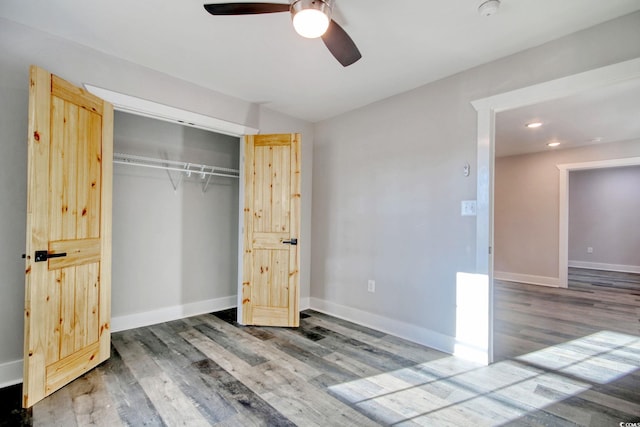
(340, 45)
(245, 8)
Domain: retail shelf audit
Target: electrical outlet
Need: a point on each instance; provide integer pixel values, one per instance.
(371, 285)
(589, 250)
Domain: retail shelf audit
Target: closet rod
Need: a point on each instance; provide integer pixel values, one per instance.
(173, 165)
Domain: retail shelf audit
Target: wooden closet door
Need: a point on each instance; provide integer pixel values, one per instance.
(271, 260)
(68, 245)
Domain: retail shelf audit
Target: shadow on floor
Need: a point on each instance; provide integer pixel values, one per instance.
(11, 412)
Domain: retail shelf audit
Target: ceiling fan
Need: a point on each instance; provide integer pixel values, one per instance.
(311, 19)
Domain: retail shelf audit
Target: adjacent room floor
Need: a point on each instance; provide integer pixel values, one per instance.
(564, 357)
(529, 317)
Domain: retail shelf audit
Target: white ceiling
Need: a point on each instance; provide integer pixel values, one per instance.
(405, 43)
(598, 116)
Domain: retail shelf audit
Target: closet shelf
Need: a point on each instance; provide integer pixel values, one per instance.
(205, 172)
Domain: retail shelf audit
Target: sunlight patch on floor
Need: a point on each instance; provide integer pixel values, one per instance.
(601, 357)
(457, 392)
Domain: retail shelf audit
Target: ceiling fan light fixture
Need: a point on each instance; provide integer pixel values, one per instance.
(311, 18)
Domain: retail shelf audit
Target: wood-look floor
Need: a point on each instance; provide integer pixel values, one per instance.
(566, 357)
(529, 317)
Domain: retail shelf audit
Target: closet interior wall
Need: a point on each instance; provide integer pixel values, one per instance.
(172, 248)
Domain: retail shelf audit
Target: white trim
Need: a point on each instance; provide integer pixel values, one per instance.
(527, 278)
(604, 266)
(563, 228)
(487, 109)
(10, 373)
(387, 325)
(563, 214)
(305, 303)
(155, 110)
(484, 213)
(601, 164)
(562, 87)
(241, 189)
(167, 314)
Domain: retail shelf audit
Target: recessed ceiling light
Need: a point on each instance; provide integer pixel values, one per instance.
(597, 139)
(553, 144)
(533, 125)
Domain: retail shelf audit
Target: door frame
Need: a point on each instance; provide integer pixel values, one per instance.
(155, 110)
(142, 107)
(564, 170)
(486, 109)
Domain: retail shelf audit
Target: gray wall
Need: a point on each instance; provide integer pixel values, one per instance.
(20, 47)
(172, 247)
(526, 232)
(389, 183)
(604, 206)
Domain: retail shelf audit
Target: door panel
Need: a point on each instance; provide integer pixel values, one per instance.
(271, 218)
(67, 297)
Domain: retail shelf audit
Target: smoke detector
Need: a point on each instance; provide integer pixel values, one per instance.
(489, 7)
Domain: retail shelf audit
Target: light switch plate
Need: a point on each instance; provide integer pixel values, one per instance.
(468, 208)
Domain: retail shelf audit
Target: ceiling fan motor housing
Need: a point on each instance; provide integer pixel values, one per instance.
(324, 6)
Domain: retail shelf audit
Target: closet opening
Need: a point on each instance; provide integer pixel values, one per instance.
(175, 221)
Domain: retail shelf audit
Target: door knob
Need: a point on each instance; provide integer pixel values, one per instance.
(45, 255)
(292, 242)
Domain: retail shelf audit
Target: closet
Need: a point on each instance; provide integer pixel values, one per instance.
(175, 220)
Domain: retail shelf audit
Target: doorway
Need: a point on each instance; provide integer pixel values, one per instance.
(177, 121)
(487, 109)
(174, 233)
(565, 170)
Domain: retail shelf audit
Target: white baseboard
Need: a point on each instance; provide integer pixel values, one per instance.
(305, 303)
(527, 278)
(10, 373)
(606, 267)
(387, 325)
(167, 314)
